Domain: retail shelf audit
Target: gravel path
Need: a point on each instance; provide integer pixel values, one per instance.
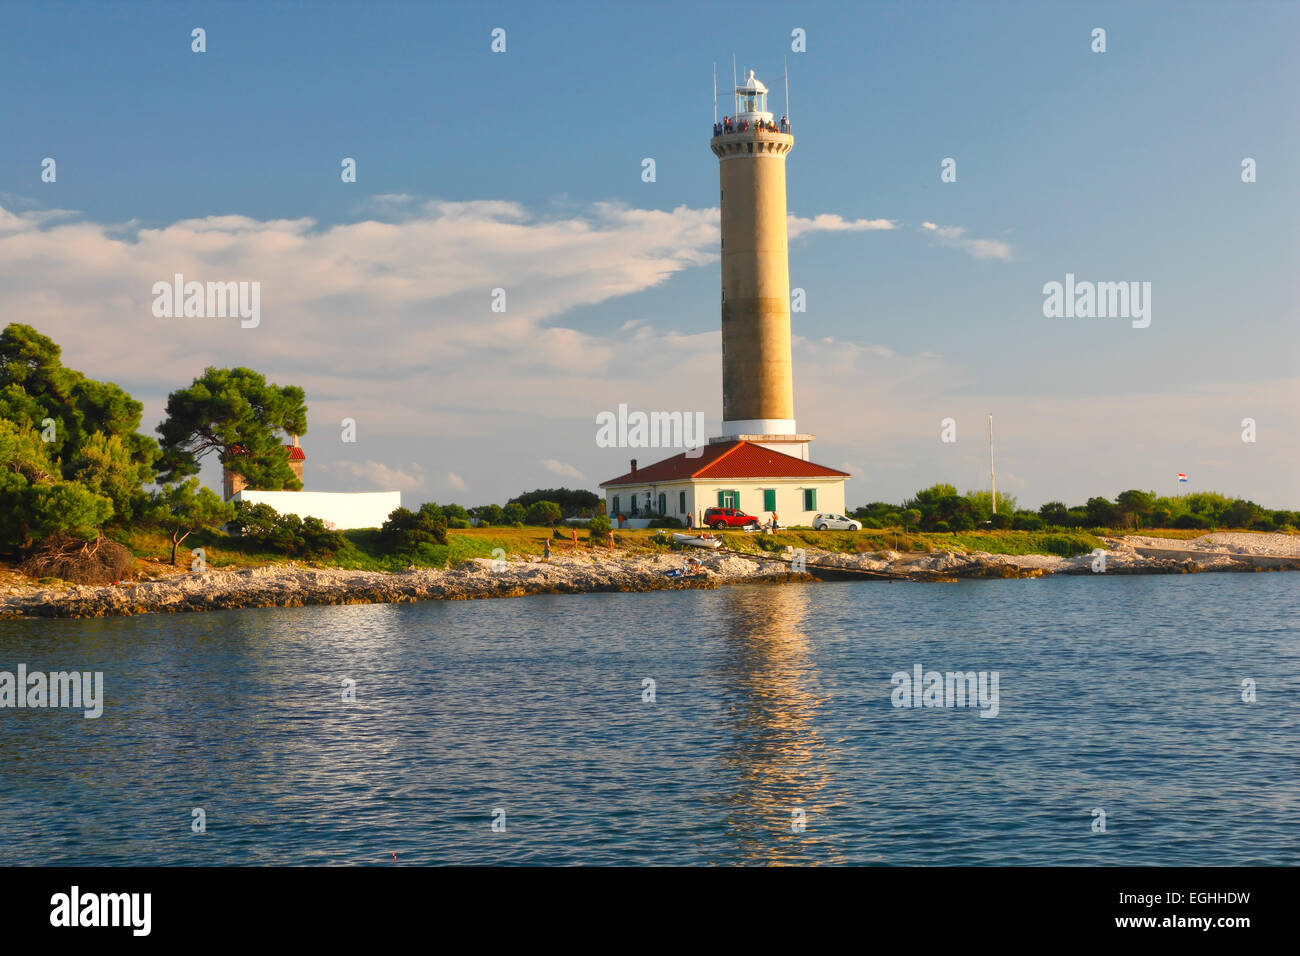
(1232, 542)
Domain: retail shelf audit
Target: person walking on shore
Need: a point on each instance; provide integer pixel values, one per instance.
(546, 549)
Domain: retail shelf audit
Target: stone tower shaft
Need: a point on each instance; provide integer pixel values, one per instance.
(757, 374)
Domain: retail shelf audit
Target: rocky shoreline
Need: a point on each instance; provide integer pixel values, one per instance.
(296, 585)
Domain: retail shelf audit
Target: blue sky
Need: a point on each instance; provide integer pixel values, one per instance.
(1123, 165)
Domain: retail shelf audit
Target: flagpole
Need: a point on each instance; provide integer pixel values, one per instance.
(993, 481)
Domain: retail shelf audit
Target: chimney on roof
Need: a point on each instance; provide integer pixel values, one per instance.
(633, 467)
(295, 441)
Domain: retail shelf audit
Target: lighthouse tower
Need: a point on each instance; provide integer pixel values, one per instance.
(757, 379)
(759, 466)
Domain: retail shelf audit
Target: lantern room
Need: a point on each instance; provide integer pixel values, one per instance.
(751, 101)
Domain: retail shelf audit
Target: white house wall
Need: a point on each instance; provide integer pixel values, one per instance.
(704, 494)
(341, 510)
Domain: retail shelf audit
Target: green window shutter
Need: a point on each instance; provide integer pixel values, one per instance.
(616, 504)
(810, 499)
(720, 504)
(769, 499)
(681, 502)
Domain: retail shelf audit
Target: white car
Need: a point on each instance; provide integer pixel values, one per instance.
(835, 523)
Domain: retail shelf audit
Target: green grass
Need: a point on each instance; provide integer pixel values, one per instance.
(220, 550)
(1066, 544)
(363, 551)
(1182, 534)
(849, 542)
(1063, 543)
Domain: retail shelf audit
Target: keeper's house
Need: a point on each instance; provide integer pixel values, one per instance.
(738, 474)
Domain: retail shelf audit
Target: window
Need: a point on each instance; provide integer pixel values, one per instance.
(614, 508)
(663, 504)
(681, 502)
(769, 499)
(728, 499)
(810, 499)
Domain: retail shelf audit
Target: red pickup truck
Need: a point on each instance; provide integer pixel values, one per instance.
(719, 518)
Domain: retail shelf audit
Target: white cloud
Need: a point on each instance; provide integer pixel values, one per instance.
(556, 467)
(373, 476)
(829, 222)
(388, 321)
(955, 237)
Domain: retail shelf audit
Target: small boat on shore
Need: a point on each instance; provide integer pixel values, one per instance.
(697, 541)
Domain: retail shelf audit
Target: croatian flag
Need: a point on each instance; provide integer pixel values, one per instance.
(1182, 477)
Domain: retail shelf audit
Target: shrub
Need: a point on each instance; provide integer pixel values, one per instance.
(1075, 518)
(318, 541)
(102, 561)
(1054, 513)
(451, 512)
(961, 522)
(666, 523)
(543, 513)
(941, 526)
(254, 521)
(488, 515)
(287, 534)
(1066, 545)
(599, 527)
(1191, 521)
(406, 531)
(573, 503)
(1027, 522)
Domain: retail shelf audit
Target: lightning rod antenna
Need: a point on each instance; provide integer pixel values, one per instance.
(715, 93)
(789, 121)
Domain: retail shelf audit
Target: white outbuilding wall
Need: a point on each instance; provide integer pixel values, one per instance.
(343, 510)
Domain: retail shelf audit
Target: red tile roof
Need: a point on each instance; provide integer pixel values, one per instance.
(295, 452)
(736, 459)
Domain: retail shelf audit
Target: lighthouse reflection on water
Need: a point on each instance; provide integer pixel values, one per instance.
(776, 758)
